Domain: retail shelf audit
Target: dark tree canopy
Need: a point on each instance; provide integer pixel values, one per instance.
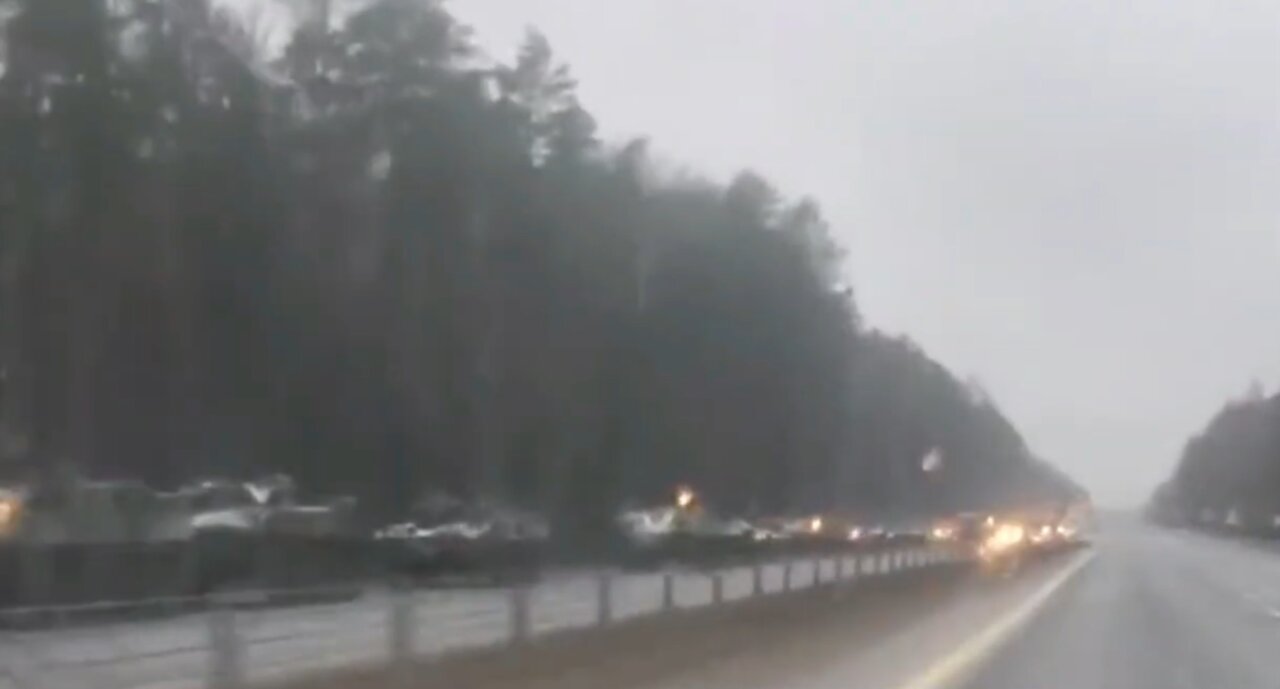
(385, 265)
(1232, 467)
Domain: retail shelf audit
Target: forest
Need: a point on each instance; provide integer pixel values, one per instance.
(1229, 473)
(377, 259)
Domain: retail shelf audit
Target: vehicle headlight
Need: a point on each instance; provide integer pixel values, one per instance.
(1006, 536)
(684, 497)
(8, 514)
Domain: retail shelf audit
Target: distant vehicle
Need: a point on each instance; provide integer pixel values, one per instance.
(1003, 548)
(73, 540)
(475, 540)
(685, 531)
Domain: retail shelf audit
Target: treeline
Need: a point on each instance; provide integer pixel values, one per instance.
(381, 262)
(1229, 473)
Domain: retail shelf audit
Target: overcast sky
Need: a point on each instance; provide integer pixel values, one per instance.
(1075, 201)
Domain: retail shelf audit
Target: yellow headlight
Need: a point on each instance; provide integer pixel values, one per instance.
(1007, 535)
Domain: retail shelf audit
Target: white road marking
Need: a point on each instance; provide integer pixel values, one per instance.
(957, 666)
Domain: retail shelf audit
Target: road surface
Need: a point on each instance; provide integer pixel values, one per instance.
(1156, 610)
(1144, 608)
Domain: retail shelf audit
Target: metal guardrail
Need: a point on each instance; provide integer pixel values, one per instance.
(233, 643)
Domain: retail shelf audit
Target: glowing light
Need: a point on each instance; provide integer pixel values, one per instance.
(8, 514)
(815, 524)
(684, 497)
(1006, 537)
(1043, 534)
(855, 533)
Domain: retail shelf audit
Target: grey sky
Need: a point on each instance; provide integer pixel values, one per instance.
(1075, 201)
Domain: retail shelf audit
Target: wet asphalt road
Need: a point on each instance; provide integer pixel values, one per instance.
(1156, 609)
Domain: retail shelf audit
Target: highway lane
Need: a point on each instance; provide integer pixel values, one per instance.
(1157, 609)
(1144, 608)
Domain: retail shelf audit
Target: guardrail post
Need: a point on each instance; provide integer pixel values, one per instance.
(604, 599)
(668, 591)
(226, 656)
(35, 576)
(519, 618)
(717, 588)
(817, 571)
(840, 567)
(786, 575)
(757, 579)
(400, 628)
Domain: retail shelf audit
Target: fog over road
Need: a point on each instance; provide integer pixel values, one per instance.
(1155, 610)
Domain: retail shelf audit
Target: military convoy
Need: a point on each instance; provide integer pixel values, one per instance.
(77, 540)
(687, 532)
(447, 538)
